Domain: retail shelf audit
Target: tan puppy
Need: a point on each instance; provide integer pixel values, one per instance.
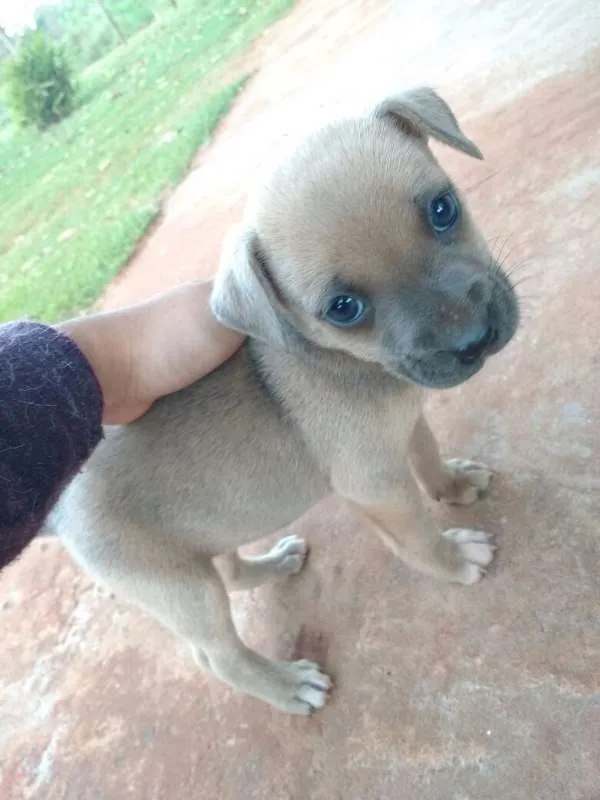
(360, 279)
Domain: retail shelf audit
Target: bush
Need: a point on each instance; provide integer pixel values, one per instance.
(40, 89)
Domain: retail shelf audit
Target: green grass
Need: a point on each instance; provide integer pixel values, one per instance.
(75, 201)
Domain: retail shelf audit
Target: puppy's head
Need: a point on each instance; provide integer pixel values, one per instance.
(360, 242)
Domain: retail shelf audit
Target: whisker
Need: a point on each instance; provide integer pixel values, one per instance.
(519, 273)
(522, 280)
(528, 297)
(517, 268)
(501, 254)
(480, 182)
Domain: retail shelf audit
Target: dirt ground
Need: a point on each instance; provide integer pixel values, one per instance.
(442, 693)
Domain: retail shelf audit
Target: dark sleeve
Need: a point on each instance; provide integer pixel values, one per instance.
(50, 421)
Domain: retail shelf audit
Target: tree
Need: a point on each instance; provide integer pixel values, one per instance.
(7, 42)
(111, 20)
(49, 18)
(40, 89)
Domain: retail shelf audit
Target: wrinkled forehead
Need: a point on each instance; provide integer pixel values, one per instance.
(347, 207)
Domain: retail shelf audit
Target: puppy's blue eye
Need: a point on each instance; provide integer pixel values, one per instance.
(345, 310)
(443, 212)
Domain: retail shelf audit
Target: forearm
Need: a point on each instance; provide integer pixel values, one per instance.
(50, 421)
(152, 349)
(57, 385)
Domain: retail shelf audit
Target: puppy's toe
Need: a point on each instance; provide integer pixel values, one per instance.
(475, 551)
(469, 481)
(304, 688)
(289, 555)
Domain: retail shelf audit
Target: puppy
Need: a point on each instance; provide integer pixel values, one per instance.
(361, 281)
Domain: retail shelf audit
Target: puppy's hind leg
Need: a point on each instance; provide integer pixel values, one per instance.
(186, 593)
(286, 558)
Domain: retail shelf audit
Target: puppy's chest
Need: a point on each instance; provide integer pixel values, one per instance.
(342, 407)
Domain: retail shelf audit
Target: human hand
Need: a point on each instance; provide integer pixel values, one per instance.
(152, 349)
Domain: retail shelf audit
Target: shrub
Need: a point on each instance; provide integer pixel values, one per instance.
(39, 84)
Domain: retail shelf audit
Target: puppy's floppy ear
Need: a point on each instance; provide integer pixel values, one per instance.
(421, 112)
(243, 297)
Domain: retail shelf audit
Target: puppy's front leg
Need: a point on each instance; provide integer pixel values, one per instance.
(457, 481)
(402, 522)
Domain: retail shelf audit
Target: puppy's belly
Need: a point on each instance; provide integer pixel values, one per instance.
(217, 464)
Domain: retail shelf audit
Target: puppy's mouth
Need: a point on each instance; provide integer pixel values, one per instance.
(444, 369)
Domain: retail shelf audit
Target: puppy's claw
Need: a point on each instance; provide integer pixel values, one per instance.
(289, 555)
(475, 550)
(470, 480)
(304, 688)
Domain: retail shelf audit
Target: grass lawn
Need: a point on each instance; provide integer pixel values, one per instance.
(75, 200)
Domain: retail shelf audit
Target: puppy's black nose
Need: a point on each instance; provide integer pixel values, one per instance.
(473, 345)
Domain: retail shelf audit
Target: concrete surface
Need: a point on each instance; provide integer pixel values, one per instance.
(442, 693)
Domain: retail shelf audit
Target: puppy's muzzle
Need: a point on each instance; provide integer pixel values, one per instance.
(474, 343)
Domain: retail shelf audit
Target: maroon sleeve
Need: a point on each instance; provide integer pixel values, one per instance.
(50, 421)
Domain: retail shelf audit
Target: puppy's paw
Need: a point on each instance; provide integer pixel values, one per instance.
(289, 555)
(473, 552)
(301, 687)
(467, 482)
